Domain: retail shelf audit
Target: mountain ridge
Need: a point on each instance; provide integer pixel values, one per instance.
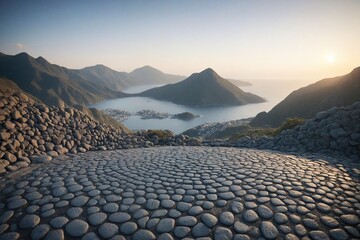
(305, 102)
(206, 88)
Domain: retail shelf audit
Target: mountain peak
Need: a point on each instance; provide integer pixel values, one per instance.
(146, 68)
(208, 70)
(23, 55)
(206, 88)
(42, 60)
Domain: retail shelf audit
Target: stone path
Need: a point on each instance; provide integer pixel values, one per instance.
(183, 192)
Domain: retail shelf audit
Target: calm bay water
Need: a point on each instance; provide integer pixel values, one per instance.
(272, 91)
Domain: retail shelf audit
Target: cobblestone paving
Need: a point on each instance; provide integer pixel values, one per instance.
(183, 192)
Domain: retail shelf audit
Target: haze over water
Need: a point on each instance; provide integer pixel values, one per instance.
(273, 91)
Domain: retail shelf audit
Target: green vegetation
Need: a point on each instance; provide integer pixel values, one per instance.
(229, 131)
(161, 134)
(289, 123)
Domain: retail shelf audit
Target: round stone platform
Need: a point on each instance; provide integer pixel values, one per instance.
(183, 192)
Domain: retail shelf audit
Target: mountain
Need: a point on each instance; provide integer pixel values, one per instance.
(239, 83)
(111, 79)
(202, 89)
(307, 101)
(148, 75)
(100, 74)
(52, 84)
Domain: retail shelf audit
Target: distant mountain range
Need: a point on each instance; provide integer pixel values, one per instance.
(206, 88)
(56, 85)
(307, 101)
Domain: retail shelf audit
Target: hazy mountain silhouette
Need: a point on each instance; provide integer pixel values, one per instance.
(148, 75)
(202, 89)
(307, 101)
(100, 74)
(51, 83)
(239, 83)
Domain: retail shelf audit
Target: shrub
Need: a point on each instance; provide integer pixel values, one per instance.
(161, 134)
(289, 123)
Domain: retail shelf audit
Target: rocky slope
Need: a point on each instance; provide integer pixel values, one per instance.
(33, 132)
(206, 88)
(335, 131)
(307, 101)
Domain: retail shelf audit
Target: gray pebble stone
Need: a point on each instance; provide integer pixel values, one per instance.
(165, 236)
(310, 223)
(280, 218)
(61, 204)
(142, 222)
(166, 203)
(269, 230)
(74, 212)
(159, 213)
(318, 235)
(209, 220)
(17, 203)
(329, 221)
(222, 233)
(241, 237)
(200, 230)
(31, 209)
(79, 201)
(97, 218)
(143, 234)
(264, 212)
(187, 221)
(183, 206)
(195, 210)
(173, 213)
(165, 225)
(140, 214)
(76, 228)
(90, 236)
(152, 223)
(107, 230)
(119, 217)
(227, 218)
(241, 227)
(93, 193)
(110, 207)
(57, 234)
(181, 232)
(300, 230)
(58, 222)
(350, 219)
(48, 213)
(128, 228)
(338, 234)
(6, 216)
(40, 231)
(226, 195)
(29, 221)
(57, 192)
(152, 204)
(236, 207)
(250, 216)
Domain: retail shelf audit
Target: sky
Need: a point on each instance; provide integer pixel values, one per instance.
(257, 39)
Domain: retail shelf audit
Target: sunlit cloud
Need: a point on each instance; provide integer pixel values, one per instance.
(19, 46)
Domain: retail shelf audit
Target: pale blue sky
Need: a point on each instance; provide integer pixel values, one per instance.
(260, 39)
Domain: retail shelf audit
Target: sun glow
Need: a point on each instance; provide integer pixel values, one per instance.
(330, 58)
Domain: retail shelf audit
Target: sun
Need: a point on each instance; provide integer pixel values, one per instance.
(330, 58)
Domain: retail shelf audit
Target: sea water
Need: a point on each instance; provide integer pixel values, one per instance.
(274, 91)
